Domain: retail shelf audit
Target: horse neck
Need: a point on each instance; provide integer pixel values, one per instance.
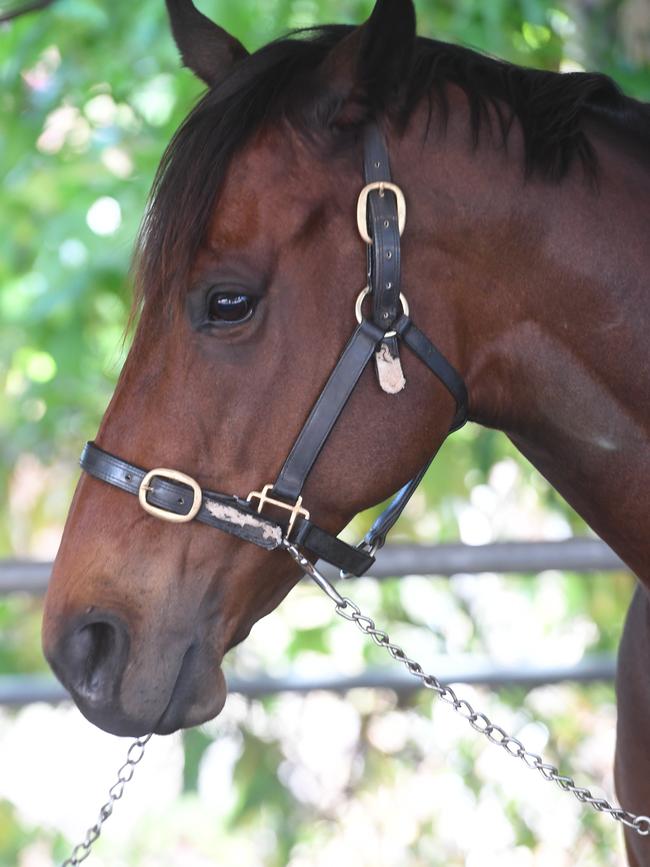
(543, 291)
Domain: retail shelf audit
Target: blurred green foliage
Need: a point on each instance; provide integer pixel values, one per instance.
(90, 93)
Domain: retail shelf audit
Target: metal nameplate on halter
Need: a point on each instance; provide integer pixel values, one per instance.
(362, 207)
(163, 514)
(295, 510)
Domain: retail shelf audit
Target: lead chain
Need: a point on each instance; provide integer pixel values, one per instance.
(480, 722)
(125, 774)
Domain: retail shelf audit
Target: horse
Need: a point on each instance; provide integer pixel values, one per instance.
(523, 260)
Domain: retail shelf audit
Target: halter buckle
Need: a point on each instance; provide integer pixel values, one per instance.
(362, 206)
(163, 514)
(263, 498)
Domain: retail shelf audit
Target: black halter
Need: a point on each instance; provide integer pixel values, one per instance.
(174, 496)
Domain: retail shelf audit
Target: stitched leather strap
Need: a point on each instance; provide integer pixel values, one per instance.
(384, 252)
(230, 514)
(177, 498)
(326, 410)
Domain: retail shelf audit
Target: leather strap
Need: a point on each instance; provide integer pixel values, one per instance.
(375, 538)
(332, 549)
(177, 498)
(231, 514)
(420, 344)
(326, 410)
(324, 546)
(384, 252)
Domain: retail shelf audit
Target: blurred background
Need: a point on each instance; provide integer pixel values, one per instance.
(91, 91)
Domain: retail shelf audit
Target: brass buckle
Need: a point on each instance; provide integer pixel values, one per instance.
(163, 514)
(295, 510)
(362, 206)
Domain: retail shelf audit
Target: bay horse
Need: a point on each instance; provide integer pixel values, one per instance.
(525, 258)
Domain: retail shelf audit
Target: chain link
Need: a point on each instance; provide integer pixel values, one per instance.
(480, 722)
(134, 756)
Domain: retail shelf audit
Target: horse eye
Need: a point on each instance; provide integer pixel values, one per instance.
(230, 307)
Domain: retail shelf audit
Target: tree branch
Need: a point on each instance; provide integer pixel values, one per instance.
(34, 6)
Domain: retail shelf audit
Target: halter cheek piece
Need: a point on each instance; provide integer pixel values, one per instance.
(174, 496)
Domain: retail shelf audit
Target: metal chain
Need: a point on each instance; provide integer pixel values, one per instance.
(481, 723)
(125, 774)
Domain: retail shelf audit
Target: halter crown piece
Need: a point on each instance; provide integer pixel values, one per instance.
(174, 496)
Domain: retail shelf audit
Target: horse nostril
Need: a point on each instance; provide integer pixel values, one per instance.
(92, 657)
(100, 640)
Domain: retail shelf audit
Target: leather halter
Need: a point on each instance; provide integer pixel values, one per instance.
(174, 496)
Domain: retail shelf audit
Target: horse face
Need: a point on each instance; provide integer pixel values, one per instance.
(226, 363)
(140, 611)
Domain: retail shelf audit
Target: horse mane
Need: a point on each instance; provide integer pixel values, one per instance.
(279, 83)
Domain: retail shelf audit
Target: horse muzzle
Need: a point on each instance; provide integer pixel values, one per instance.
(126, 693)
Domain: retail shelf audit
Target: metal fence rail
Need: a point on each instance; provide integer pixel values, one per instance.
(24, 689)
(573, 555)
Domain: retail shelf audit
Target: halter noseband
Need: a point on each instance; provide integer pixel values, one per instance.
(173, 496)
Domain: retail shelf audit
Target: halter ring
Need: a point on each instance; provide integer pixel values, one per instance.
(362, 207)
(163, 514)
(359, 304)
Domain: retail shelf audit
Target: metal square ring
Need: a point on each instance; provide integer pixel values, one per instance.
(263, 497)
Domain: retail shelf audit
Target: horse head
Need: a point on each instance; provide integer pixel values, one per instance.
(248, 267)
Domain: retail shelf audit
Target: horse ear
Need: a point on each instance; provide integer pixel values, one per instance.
(206, 49)
(368, 66)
